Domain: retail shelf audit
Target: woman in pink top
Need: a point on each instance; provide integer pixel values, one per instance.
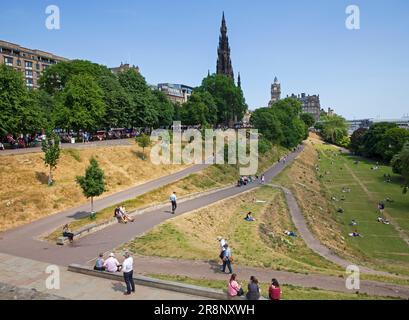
(233, 288)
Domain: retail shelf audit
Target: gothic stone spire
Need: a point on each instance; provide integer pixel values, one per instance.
(224, 65)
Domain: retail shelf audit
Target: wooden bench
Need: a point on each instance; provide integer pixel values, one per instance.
(63, 240)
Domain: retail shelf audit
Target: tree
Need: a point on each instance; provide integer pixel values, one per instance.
(51, 148)
(288, 113)
(13, 94)
(229, 99)
(400, 164)
(143, 111)
(392, 142)
(357, 137)
(334, 129)
(199, 109)
(373, 145)
(93, 183)
(144, 141)
(268, 125)
(117, 102)
(165, 108)
(308, 119)
(81, 104)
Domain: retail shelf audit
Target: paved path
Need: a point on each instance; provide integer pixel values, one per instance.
(105, 143)
(211, 270)
(25, 275)
(24, 242)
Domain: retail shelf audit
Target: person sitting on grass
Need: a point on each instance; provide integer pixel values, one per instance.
(380, 219)
(290, 233)
(274, 292)
(355, 234)
(353, 223)
(249, 217)
(99, 263)
(66, 232)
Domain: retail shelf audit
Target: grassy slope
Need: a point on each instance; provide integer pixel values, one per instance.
(210, 178)
(25, 196)
(289, 292)
(381, 247)
(261, 243)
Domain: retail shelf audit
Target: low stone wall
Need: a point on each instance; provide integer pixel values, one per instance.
(156, 283)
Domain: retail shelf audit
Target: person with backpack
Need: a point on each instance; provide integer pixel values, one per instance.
(233, 288)
(227, 259)
(274, 292)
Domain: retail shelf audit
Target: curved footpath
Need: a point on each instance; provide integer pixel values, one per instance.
(23, 241)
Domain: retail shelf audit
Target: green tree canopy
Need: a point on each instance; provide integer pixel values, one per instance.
(199, 109)
(334, 129)
(81, 104)
(143, 106)
(229, 99)
(93, 183)
(308, 119)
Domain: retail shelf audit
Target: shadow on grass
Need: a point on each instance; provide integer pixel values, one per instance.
(79, 215)
(139, 154)
(42, 177)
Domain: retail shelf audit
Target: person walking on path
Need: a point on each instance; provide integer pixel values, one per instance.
(274, 292)
(227, 259)
(263, 179)
(222, 242)
(173, 200)
(254, 289)
(127, 268)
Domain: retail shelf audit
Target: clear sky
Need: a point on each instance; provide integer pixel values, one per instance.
(360, 73)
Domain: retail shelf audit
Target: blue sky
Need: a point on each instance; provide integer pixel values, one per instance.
(360, 73)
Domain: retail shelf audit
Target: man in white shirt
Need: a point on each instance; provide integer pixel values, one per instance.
(127, 268)
(111, 264)
(222, 248)
(173, 200)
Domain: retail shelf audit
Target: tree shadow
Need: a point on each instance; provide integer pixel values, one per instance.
(139, 154)
(42, 177)
(80, 215)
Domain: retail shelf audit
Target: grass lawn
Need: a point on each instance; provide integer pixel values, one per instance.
(212, 177)
(325, 171)
(261, 243)
(289, 292)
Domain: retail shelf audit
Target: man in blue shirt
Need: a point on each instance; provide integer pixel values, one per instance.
(227, 258)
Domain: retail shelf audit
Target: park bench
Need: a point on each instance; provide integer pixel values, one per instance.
(63, 240)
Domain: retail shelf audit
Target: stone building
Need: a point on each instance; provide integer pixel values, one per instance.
(275, 92)
(30, 62)
(310, 104)
(123, 68)
(224, 65)
(177, 93)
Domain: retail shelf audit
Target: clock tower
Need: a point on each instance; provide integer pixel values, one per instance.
(275, 92)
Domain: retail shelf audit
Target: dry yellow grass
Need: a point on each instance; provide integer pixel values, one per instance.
(25, 196)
